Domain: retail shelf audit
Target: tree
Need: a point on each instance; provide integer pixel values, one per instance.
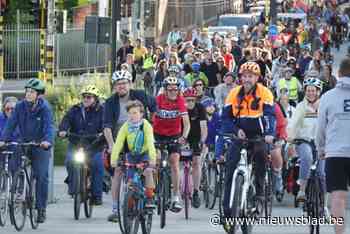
(25, 7)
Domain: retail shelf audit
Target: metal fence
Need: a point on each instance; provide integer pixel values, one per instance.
(73, 56)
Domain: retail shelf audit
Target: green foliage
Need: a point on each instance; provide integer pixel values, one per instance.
(25, 7)
(62, 98)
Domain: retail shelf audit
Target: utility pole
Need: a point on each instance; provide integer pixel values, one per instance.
(273, 11)
(1, 44)
(50, 40)
(115, 12)
(42, 24)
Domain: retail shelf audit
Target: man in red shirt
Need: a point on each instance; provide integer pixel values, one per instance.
(228, 58)
(171, 123)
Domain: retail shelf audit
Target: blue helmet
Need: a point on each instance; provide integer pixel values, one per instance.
(196, 67)
(208, 102)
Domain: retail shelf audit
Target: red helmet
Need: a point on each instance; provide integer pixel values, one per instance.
(190, 92)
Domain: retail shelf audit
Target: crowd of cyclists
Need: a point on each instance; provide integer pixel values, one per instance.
(191, 91)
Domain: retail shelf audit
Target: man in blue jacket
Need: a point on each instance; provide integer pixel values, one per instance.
(86, 119)
(34, 119)
(115, 115)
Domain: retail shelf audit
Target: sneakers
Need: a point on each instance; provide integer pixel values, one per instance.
(41, 216)
(114, 218)
(301, 196)
(196, 201)
(278, 183)
(176, 205)
(97, 201)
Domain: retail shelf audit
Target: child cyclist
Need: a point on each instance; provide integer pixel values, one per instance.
(213, 124)
(136, 139)
(196, 139)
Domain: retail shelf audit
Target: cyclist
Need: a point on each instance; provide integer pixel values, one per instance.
(213, 122)
(196, 74)
(222, 90)
(85, 118)
(303, 126)
(7, 110)
(171, 122)
(137, 134)
(250, 106)
(292, 84)
(34, 119)
(332, 141)
(196, 138)
(114, 117)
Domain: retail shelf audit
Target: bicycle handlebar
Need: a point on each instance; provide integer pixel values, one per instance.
(25, 144)
(251, 140)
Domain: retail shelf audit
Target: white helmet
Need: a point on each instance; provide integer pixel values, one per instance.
(121, 75)
(311, 81)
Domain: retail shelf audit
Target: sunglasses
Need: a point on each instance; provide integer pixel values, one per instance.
(7, 109)
(172, 90)
(190, 100)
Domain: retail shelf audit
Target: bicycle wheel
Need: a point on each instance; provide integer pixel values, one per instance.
(268, 193)
(130, 214)
(33, 212)
(221, 191)
(18, 209)
(163, 198)
(213, 185)
(121, 196)
(4, 197)
(314, 203)
(87, 197)
(237, 198)
(186, 191)
(77, 192)
(205, 183)
(146, 222)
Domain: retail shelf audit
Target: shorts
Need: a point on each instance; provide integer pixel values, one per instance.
(173, 149)
(194, 145)
(337, 174)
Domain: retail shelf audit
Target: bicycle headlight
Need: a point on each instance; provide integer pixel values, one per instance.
(164, 163)
(79, 156)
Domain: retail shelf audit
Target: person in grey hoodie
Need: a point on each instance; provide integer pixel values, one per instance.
(333, 141)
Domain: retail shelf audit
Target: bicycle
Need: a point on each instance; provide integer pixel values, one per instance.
(5, 184)
(218, 175)
(268, 188)
(134, 211)
(164, 181)
(186, 179)
(81, 174)
(208, 179)
(314, 192)
(242, 193)
(23, 190)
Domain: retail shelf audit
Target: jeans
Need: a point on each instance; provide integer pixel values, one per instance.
(233, 157)
(97, 170)
(304, 152)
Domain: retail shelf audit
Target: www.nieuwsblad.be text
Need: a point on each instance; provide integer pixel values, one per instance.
(215, 220)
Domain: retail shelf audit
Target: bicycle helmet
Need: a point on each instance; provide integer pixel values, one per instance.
(250, 67)
(170, 80)
(92, 90)
(190, 92)
(36, 84)
(311, 81)
(196, 67)
(174, 69)
(121, 75)
(208, 102)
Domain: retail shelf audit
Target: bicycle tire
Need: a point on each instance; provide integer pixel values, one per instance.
(146, 223)
(121, 196)
(268, 193)
(213, 186)
(237, 199)
(314, 203)
(130, 215)
(163, 198)
(87, 197)
(205, 184)
(16, 184)
(4, 195)
(77, 193)
(186, 192)
(33, 212)
(221, 191)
